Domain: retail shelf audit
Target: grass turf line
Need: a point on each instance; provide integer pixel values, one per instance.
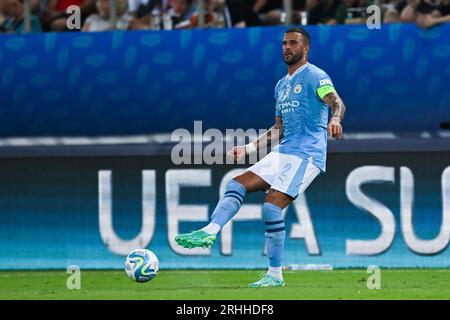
(227, 285)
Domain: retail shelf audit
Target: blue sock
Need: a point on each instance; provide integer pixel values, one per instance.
(275, 233)
(230, 204)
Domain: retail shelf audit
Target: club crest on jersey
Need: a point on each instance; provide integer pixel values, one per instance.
(297, 88)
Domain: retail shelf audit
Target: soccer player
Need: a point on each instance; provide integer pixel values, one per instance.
(302, 96)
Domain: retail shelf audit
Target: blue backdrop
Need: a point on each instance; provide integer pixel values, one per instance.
(396, 78)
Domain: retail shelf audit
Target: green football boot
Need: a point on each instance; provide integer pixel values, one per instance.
(267, 281)
(196, 239)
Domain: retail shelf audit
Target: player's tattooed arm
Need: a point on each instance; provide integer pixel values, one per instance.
(337, 114)
(273, 135)
(336, 104)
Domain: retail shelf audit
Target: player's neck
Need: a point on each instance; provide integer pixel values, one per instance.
(294, 67)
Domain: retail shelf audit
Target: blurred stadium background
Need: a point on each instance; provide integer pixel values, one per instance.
(85, 141)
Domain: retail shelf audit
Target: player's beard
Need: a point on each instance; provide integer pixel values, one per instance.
(294, 58)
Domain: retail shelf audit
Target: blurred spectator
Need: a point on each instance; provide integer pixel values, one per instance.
(141, 20)
(13, 18)
(2, 17)
(301, 10)
(35, 6)
(54, 18)
(149, 14)
(182, 14)
(426, 13)
(101, 21)
(234, 14)
(430, 14)
(269, 11)
(307, 4)
(211, 19)
(394, 11)
(444, 7)
(409, 11)
(352, 11)
(325, 12)
(182, 11)
(403, 11)
(133, 6)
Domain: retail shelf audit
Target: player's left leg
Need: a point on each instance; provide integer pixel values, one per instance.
(295, 176)
(275, 234)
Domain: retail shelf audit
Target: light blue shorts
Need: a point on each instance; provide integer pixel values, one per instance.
(286, 173)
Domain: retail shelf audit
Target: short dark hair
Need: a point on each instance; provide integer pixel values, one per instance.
(303, 32)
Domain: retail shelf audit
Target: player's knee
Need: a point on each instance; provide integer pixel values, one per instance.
(278, 198)
(271, 213)
(235, 186)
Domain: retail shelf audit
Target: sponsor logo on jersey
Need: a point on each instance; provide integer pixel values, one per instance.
(288, 106)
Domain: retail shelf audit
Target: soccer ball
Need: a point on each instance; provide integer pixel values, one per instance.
(141, 265)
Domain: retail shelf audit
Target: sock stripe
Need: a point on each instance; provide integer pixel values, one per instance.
(229, 204)
(268, 223)
(237, 194)
(235, 197)
(276, 230)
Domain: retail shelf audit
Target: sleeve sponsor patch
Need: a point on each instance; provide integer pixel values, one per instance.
(325, 82)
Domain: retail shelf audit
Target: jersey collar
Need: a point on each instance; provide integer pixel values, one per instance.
(288, 77)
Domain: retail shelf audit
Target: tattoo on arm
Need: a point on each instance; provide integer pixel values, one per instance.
(336, 104)
(273, 135)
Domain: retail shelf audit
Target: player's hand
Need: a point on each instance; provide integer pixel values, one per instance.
(335, 128)
(237, 153)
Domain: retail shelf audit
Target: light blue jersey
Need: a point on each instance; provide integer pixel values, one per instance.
(304, 114)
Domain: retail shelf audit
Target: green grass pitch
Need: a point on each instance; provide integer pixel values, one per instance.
(227, 285)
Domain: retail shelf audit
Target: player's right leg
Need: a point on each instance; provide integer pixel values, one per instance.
(226, 209)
